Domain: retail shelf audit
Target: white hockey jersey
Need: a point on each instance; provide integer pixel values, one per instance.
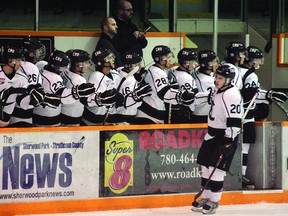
(226, 113)
(127, 113)
(183, 78)
(250, 79)
(94, 115)
(19, 116)
(52, 84)
(40, 65)
(153, 107)
(204, 83)
(71, 113)
(17, 82)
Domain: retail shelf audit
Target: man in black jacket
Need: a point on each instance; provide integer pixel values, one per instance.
(128, 36)
(109, 30)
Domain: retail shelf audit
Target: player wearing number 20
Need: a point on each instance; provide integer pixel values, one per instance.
(224, 125)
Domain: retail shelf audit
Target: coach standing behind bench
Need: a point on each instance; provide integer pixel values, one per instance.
(128, 36)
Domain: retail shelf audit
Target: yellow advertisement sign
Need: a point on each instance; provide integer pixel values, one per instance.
(118, 166)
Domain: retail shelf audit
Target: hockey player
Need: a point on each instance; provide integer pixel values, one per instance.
(14, 88)
(220, 143)
(104, 78)
(182, 76)
(53, 84)
(80, 62)
(204, 77)
(235, 55)
(33, 51)
(133, 88)
(251, 85)
(152, 109)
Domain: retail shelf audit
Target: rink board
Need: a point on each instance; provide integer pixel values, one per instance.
(72, 155)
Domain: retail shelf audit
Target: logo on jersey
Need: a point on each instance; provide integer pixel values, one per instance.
(2, 81)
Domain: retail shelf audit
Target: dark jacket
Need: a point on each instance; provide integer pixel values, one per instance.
(125, 40)
(106, 42)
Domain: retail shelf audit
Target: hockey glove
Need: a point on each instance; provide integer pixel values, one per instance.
(52, 101)
(139, 75)
(185, 98)
(107, 98)
(226, 146)
(36, 96)
(82, 90)
(142, 90)
(31, 87)
(273, 96)
(4, 94)
(119, 99)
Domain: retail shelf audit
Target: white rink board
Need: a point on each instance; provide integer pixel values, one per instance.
(49, 166)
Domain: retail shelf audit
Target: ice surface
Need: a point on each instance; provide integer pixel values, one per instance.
(247, 209)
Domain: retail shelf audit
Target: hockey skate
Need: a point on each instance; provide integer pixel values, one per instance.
(198, 205)
(210, 207)
(247, 183)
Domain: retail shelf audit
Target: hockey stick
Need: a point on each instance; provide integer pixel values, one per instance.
(131, 73)
(249, 106)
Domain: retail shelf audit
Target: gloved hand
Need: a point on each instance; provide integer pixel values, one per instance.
(37, 96)
(83, 90)
(107, 98)
(140, 74)
(185, 97)
(226, 146)
(52, 101)
(273, 96)
(4, 95)
(141, 91)
(248, 94)
(31, 87)
(119, 99)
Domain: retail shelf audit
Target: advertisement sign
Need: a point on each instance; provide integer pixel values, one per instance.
(46, 166)
(155, 162)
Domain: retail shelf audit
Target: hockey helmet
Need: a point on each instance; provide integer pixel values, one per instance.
(59, 61)
(131, 58)
(186, 54)
(226, 71)
(187, 57)
(10, 52)
(102, 56)
(78, 56)
(235, 49)
(254, 55)
(206, 58)
(33, 49)
(161, 52)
